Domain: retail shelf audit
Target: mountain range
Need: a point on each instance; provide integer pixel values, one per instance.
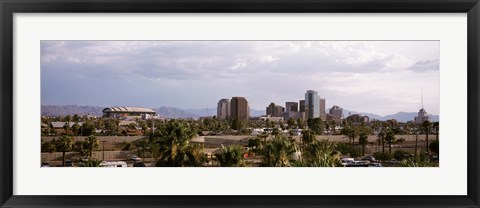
(172, 112)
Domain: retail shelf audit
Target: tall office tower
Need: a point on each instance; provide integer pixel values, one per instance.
(239, 108)
(322, 109)
(275, 110)
(422, 114)
(223, 109)
(312, 104)
(291, 106)
(336, 113)
(302, 105)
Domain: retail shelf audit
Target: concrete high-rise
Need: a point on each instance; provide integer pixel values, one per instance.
(322, 109)
(223, 109)
(336, 113)
(302, 105)
(274, 110)
(239, 108)
(422, 116)
(312, 104)
(291, 106)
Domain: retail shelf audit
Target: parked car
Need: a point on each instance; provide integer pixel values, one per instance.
(135, 158)
(347, 161)
(368, 158)
(375, 165)
(358, 164)
(114, 164)
(68, 163)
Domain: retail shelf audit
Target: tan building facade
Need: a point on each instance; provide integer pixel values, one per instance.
(239, 108)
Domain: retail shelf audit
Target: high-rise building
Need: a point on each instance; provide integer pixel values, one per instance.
(302, 105)
(291, 106)
(274, 110)
(336, 113)
(422, 116)
(322, 109)
(223, 109)
(312, 104)
(239, 108)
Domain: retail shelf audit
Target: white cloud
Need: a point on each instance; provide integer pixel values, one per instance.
(373, 76)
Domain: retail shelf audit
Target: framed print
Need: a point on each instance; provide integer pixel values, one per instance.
(247, 104)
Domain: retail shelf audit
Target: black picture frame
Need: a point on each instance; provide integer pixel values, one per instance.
(10, 7)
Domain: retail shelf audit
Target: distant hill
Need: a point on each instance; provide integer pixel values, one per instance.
(56, 110)
(400, 116)
(257, 113)
(171, 112)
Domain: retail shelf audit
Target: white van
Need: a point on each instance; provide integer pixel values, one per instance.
(115, 164)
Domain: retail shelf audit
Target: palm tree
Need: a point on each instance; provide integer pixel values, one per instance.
(390, 137)
(64, 144)
(66, 127)
(307, 137)
(322, 154)
(263, 136)
(332, 127)
(427, 127)
(254, 143)
(352, 133)
(231, 156)
(416, 141)
(68, 118)
(174, 146)
(381, 136)
(79, 147)
(142, 148)
(278, 152)
(363, 140)
(436, 125)
(91, 144)
(76, 118)
(75, 129)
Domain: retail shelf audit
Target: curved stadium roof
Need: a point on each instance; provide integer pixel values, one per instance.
(123, 109)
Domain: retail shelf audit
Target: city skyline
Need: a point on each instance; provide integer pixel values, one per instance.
(380, 77)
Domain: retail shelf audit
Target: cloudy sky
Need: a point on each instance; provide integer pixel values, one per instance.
(381, 77)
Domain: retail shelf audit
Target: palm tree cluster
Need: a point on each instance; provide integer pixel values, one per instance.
(279, 152)
(231, 156)
(321, 153)
(66, 144)
(175, 148)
